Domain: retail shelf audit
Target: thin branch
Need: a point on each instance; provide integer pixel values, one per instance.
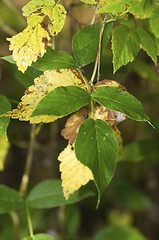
(97, 62)
(25, 177)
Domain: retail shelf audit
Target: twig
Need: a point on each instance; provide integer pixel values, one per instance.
(97, 62)
(25, 178)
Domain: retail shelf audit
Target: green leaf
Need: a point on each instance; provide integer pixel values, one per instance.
(154, 22)
(120, 101)
(26, 79)
(85, 42)
(5, 106)
(139, 150)
(114, 7)
(49, 194)
(9, 199)
(125, 46)
(147, 43)
(96, 147)
(62, 101)
(119, 232)
(39, 236)
(141, 9)
(53, 59)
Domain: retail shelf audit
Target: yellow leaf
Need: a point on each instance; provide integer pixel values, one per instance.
(89, 1)
(30, 44)
(73, 173)
(43, 85)
(57, 17)
(36, 37)
(4, 146)
(117, 134)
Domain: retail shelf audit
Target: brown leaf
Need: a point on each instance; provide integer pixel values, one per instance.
(72, 125)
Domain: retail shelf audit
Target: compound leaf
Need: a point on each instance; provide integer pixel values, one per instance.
(42, 86)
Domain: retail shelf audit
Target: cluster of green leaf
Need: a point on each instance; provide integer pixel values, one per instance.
(60, 88)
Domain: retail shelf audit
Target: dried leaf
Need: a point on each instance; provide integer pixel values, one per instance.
(72, 125)
(73, 173)
(4, 146)
(43, 85)
(34, 39)
(109, 83)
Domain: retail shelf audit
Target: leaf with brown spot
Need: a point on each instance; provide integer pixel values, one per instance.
(43, 85)
(32, 42)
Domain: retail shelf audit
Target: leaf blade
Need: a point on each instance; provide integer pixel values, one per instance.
(121, 101)
(96, 147)
(49, 194)
(9, 200)
(125, 46)
(62, 101)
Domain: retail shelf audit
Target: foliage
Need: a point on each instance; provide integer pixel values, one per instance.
(58, 87)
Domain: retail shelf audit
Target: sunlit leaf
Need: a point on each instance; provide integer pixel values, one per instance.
(141, 9)
(43, 85)
(147, 43)
(115, 7)
(30, 44)
(73, 173)
(125, 46)
(89, 1)
(154, 22)
(4, 146)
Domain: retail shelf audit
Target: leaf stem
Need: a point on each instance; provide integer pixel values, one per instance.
(97, 62)
(15, 220)
(30, 226)
(29, 159)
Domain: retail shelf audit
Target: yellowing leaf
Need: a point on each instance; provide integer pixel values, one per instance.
(117, 134)
(72, 125)
(43, 85)
(89, 1)
(33, 41)
(4, 146)
(73, 173)
(29, 44)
